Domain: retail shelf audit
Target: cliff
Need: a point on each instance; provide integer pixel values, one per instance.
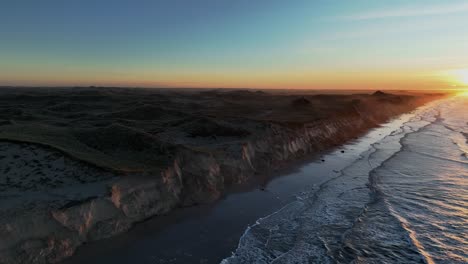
(44, 218)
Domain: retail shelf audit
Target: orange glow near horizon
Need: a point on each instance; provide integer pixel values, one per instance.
(237, 44)
(458, 77)
(323, 79)
(463, 75)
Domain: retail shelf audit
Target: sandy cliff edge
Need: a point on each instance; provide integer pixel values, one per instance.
(44, 220)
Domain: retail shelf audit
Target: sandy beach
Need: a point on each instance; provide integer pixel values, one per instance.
(210, 233)
(233, 132)
(81, 165)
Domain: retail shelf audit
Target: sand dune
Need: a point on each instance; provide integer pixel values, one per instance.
(84, 164)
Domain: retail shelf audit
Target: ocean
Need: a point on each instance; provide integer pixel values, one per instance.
(404, 199)
(395, 195)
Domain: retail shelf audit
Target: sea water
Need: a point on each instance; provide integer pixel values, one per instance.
(404, 200)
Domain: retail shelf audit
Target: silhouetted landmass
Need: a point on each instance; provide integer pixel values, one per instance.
(380, 93)
(81, 164)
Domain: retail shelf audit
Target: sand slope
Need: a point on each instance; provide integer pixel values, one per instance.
(99, 160)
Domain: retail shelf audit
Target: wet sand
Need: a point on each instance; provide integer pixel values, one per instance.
(210, 233)
(163, 150)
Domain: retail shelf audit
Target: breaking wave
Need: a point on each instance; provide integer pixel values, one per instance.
(404, 200)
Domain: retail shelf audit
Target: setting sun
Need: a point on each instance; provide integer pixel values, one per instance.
(161, 131)
(460, 76)
(463, 74)
(463, 93)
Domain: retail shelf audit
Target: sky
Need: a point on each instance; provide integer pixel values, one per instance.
(297, 44)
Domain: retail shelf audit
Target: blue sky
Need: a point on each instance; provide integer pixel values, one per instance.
(220, 43)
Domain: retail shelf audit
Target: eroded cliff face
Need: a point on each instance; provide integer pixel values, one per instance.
(46, 225)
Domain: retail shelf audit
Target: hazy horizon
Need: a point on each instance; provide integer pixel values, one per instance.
(359, 45)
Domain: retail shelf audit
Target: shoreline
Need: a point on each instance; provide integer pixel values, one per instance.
(264, 198)
(196, 177)
(180, 237)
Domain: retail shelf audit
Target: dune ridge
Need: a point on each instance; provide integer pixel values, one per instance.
(152, 151)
